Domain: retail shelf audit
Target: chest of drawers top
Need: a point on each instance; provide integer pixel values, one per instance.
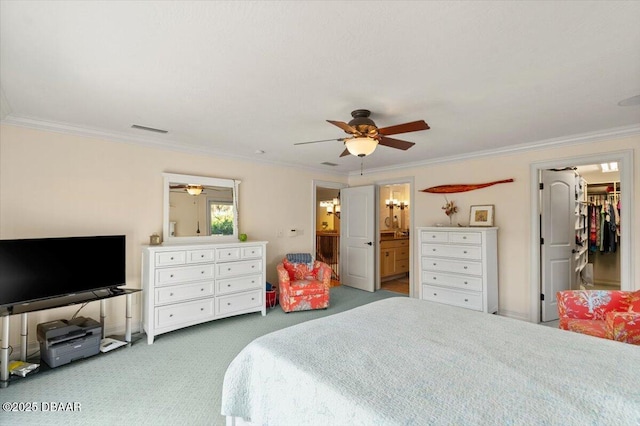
(172, 255)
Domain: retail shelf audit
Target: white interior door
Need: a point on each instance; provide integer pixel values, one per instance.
(357, 237)
(558, 233)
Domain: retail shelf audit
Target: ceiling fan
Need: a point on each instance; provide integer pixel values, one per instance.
(191, 189)
(366, 136)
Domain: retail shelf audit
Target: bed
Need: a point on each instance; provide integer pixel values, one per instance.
(402, 361)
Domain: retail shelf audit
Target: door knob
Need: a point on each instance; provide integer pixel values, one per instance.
(369, 243)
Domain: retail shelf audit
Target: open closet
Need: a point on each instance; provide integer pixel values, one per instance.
(580, 218)
(603, 219)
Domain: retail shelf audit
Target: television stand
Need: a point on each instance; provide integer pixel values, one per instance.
(74, 299)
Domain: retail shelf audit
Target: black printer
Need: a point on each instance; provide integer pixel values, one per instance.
(63, 341)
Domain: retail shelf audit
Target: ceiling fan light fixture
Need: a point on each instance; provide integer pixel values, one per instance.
(194, 189)
(361, 147)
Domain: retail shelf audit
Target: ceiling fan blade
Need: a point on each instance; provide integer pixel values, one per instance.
(344, 126)
(345, 153)
(323, 140)
(395, 143)
(413, 126)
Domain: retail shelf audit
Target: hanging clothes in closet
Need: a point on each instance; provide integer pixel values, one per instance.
(604, 223)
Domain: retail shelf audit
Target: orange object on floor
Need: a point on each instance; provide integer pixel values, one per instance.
(302, 287)
(609, 314)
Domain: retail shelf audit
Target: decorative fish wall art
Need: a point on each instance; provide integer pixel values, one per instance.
(451, 189)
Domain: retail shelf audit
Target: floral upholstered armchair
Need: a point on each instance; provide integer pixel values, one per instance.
(303, 283)
(611, 315)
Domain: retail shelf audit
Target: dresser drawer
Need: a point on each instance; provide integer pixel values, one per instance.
(184, 312)
(238, 268)
(402, 266)
(183, 274)
(456, 266)
(228, 254)
(394, 243)
(178, 293)
(251, 252)
(239, 302)
(461, 252)
(402, 253)
(168, 258)
(469, 300)
(195, 256)
(456, 281)
(465, 237)
(233, 285)
(435, 236)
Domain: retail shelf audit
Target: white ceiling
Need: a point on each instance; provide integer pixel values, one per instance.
(232, 78)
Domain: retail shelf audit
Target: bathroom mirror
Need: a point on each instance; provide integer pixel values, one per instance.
(198, 208)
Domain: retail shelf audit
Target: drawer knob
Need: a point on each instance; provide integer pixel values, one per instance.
(170, 315)
(466, 282)
(228, 269)
(433, 236)
(464, 237)
(202, 289)
(253, 266)
(228, 303)
(202, 309)
(171, 275)
(434, 264)
(434, 278)
(202, 255)
(465, 252)
(228, 285)
(466, 300)
(253, 281)
(202, 272)
(465, 267)
(170, 294)
(435, 294)
(253, 298)
(433, 249)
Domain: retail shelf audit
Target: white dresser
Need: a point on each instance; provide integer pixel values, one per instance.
(459, 266)
(187, 284)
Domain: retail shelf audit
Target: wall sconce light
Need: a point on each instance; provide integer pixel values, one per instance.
(194, 189)
(404, 204)
(333, 206)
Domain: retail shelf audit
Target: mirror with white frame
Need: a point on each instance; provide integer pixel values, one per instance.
(198, 208)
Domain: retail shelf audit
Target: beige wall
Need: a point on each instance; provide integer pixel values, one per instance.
(54, 184)
(512, 207)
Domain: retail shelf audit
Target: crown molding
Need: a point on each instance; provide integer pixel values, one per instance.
(582, 138)
(57, 127)
(64, 128)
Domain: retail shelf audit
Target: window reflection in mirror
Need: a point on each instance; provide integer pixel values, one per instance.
(199, 208)
(208, 213)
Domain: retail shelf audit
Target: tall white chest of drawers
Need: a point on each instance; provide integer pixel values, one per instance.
(189, 284)
(459, 266)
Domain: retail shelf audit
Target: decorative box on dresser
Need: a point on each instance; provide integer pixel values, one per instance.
(459, 266)
(187, 284)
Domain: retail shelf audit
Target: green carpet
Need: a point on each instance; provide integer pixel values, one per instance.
(177, 380)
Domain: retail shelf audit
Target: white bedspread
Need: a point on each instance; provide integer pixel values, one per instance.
(412, 362)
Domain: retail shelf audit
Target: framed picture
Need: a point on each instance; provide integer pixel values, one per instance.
(481, 215)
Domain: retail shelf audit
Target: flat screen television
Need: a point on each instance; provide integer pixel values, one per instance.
(45, 268)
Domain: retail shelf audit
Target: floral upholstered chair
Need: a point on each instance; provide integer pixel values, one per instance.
(303, 283)
(611, 315)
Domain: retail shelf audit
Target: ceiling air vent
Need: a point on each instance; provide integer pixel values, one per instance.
(326, 163)
(148, 129)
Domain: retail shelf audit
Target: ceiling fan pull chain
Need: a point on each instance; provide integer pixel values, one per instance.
(361, 164)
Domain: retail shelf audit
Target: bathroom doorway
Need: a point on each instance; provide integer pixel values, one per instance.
(394, 225)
